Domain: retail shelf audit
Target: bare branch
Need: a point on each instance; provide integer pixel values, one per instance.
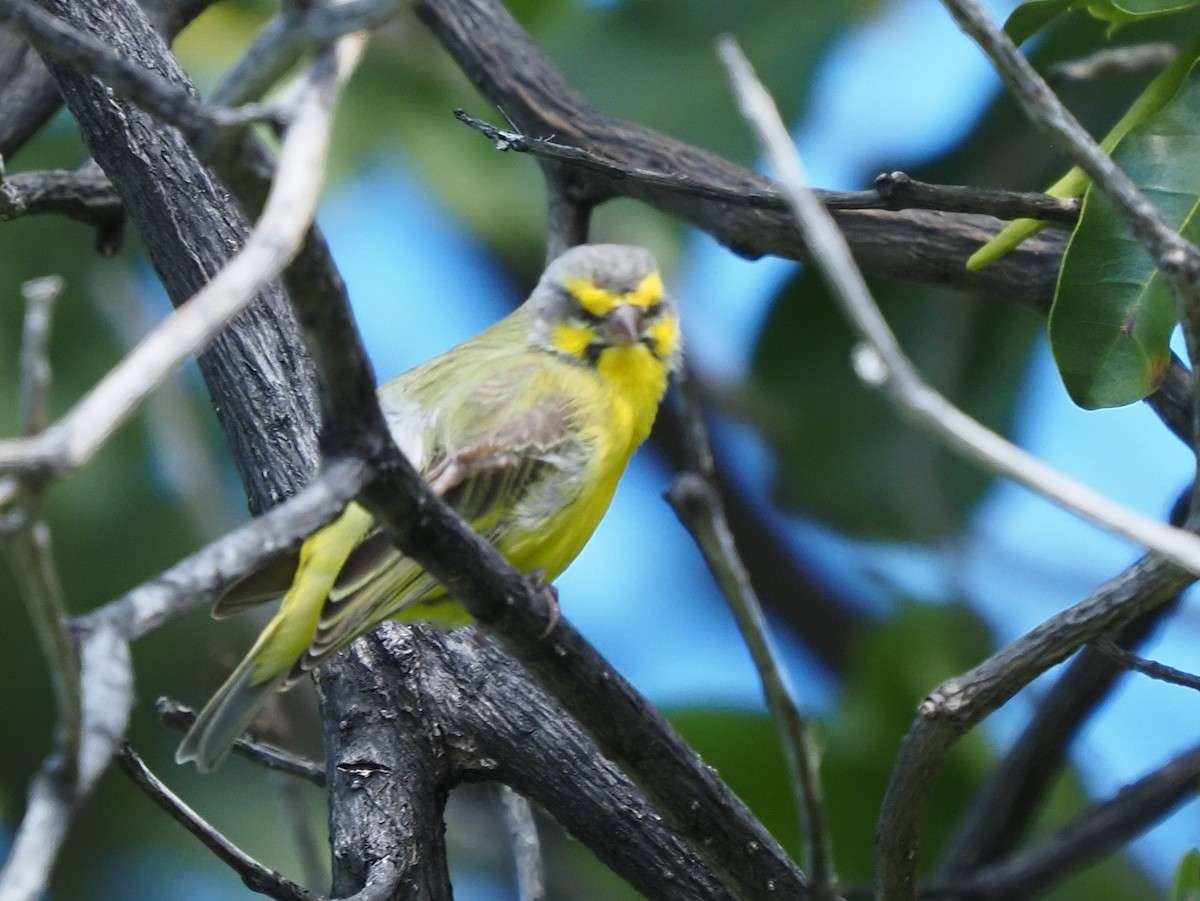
(106, 683)
(922, 245)
(450, 707)
(526, 848)
(153, 93)
(298, 28)
(40, 296)
(696, 504)
(884, 364)
(85, 195)
(958, 704)
(880, 362)
(270, 246)
(255, 875)
(1005, 806)
(1103, 830)
(191, 583)
(893, 190)
(1115, 61)
(898, 191)
(1151, 668)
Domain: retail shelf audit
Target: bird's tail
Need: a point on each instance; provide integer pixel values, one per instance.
(226, 715)
(270, 662)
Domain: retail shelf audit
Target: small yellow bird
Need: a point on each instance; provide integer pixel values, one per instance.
(523, 429)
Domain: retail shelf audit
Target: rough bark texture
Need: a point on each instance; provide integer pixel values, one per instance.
(257, 372)
(470, 729)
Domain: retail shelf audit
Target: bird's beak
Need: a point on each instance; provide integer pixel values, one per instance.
(624, 323)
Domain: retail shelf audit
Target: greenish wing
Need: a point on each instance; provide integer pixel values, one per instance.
(485, 479)
(508, 447)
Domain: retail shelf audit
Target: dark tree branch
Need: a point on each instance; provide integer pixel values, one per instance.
(170, 100)
(385, 796)
(480, 718)
(1004, 807)
(960, 703)
(897, 191)
(85, 195)
(29, 96)
(513, 73)
(257, 877)
(893, 190)
(1102, 831)
(191, 228)
(1130, 661)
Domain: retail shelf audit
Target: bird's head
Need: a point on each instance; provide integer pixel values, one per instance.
(597, 298)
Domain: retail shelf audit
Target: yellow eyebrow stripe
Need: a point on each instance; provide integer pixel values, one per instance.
(595, 300)
(598, 301)
(648, 292)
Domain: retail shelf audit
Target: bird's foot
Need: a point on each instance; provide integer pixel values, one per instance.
(537, 581)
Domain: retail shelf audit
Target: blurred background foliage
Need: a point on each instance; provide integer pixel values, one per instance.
(837, 457)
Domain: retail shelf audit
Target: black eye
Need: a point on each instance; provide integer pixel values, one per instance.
(586, 316)
(655, 309)
(575, 311)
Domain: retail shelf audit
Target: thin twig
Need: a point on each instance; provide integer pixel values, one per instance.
(255, 875)
(26, 536)
(192, 583)
(1114, 61)
(698, 506)
(695, 503)
(880, 363)
(169, 102)
(900, 191)
(1102, 830)
(85, 195)
(40, 296)
(289, 210)
(299, 27)
(1151, 668)
(306, 844)
(893, 190)
(523, 839)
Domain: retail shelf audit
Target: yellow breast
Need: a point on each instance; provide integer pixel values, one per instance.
(618, 402)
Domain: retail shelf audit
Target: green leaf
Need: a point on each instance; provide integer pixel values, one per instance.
(1031, 17)
(1122, 12)
(1113, 314)
(1187, 878)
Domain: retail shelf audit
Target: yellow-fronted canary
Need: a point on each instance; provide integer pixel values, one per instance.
(523, 429)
